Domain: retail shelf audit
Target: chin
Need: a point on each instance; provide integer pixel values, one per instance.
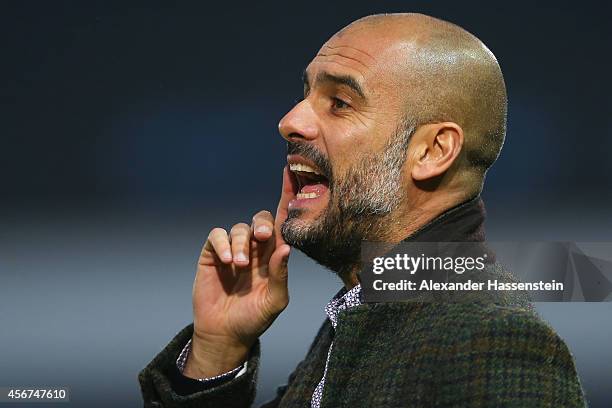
(305, 216)
(298, 227)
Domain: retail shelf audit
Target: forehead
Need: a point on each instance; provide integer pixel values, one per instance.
(371, 58)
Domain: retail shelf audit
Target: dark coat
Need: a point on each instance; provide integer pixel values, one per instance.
(417, 354)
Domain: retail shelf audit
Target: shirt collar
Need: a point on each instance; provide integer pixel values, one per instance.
(342, 301)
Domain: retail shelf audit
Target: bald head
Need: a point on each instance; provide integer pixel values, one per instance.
(445, 74)
(401, 117)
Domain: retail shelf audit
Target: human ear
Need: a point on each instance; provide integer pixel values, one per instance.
(438, 148)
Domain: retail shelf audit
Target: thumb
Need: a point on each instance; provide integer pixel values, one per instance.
(287, 194)
(278, 276)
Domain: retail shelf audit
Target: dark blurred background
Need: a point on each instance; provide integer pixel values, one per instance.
(129, 130)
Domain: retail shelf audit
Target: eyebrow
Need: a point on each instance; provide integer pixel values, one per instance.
(346, 80)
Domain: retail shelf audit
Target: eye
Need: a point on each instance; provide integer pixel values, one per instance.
(338, 103)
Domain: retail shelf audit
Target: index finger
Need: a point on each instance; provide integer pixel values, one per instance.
(287, 194)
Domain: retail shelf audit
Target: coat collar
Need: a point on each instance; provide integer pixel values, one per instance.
(462, 223)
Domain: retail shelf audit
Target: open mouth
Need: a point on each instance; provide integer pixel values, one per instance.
(310, 182)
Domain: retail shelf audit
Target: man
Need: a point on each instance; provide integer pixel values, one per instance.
(402, 116)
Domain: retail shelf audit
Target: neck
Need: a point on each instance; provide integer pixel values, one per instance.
(408, 222)
(350, 281)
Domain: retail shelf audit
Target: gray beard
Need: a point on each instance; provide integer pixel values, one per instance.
(360, 208)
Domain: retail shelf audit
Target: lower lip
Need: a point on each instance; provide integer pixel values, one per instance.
(321, 192)
(304, 202)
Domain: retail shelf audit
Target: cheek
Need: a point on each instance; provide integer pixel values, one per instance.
(343, 143)
(349, 149)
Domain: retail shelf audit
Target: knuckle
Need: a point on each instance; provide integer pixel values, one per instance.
(263, 214)
(217, 231)
(240, 227)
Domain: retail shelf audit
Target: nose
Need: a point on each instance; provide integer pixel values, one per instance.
(299, 123)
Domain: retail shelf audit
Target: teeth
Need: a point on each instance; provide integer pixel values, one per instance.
(302, 167)
(307, 195)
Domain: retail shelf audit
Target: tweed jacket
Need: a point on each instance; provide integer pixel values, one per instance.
(495, 353)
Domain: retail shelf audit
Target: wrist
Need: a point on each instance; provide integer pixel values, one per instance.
(212, 356)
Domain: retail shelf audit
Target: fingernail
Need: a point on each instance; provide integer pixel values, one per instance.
(263, 229)
(241, 257)
(227, 255)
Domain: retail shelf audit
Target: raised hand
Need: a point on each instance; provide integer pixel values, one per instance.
(239, 290)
